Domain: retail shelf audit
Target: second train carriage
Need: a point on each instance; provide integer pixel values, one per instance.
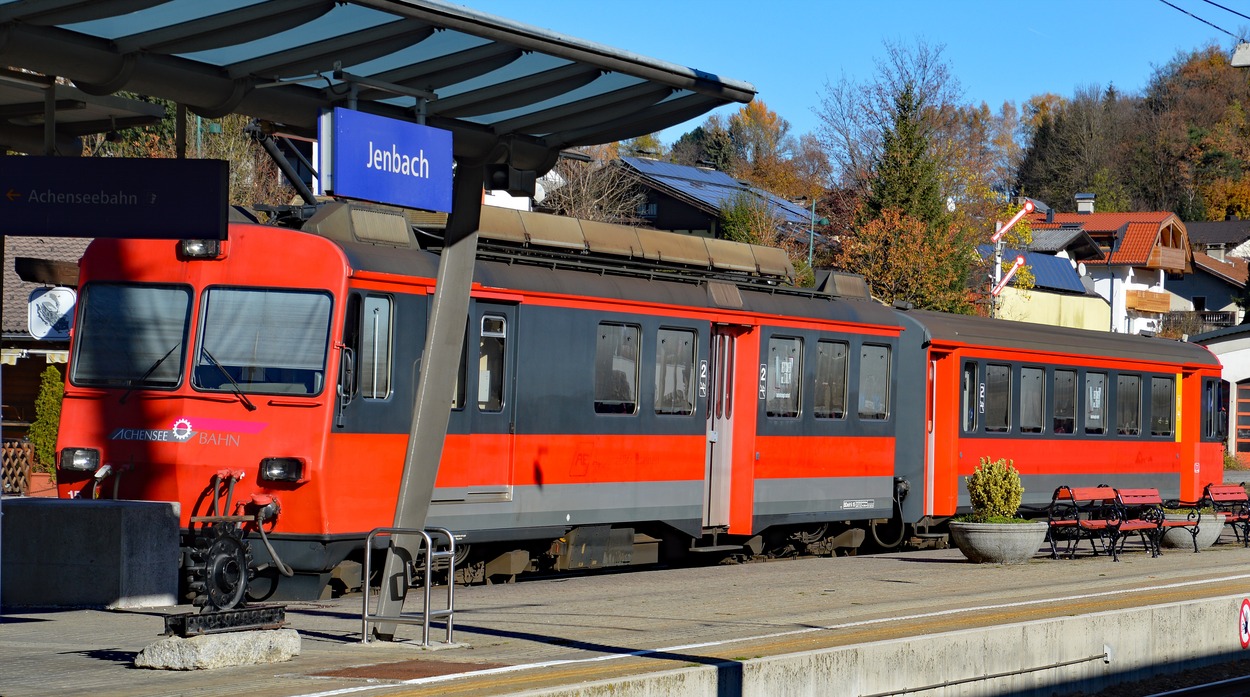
(605, 406)
(1068, 406)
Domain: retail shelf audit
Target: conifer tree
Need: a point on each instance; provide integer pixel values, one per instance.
(905, 174)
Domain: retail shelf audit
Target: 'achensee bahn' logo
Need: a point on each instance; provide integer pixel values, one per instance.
(210, 432)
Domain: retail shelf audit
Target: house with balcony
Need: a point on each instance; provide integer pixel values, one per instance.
(1141, 251)
(1212, 290)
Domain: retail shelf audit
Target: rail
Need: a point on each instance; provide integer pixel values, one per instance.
(426, 555)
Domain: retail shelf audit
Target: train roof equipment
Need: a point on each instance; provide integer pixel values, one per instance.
(524, 237)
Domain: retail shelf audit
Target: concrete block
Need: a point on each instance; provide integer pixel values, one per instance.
(220, 650)
(74, 553)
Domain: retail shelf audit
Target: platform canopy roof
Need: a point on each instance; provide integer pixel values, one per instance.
(509, 92)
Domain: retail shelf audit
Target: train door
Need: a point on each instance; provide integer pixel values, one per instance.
(374, 351)
(483, 459)
(720, 371)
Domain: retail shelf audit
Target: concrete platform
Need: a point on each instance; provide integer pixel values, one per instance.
(871, 625)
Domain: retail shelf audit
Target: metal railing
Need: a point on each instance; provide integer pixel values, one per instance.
(424, 556)
(1197, 322)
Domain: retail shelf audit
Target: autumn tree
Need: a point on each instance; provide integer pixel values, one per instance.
(1079, 145)
(1182, 146)
(903, 259)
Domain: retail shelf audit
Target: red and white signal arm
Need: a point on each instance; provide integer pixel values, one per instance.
(50, 312)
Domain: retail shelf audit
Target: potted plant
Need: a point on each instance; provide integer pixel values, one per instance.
(993, 533)
(42, 434)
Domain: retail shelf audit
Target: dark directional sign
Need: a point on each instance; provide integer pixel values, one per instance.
(374, 158)
(113, 197)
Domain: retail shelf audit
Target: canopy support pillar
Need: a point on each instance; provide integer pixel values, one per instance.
(444, 340)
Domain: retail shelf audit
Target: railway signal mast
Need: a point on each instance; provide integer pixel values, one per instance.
(1000, 281)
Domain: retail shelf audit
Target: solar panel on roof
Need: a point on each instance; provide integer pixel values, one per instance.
(713, 188)
(1049, 272)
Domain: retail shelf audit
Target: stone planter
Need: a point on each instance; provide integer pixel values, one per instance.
(1210, 525)
(998, 543)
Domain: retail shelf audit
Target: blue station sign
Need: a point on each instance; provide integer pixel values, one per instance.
(114, 197)
(373, 158)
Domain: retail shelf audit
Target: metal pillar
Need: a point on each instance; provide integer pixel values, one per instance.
(444, 339)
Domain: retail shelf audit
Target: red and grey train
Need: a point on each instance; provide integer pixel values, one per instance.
(608, 410)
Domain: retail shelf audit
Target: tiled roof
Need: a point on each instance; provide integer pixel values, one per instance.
(1107, 223)
(1232, 269)
(17, 291)
(1229, 232)
(1136, 239)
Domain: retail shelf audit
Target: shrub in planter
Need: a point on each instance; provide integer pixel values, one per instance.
(995, 491)
(47, 420)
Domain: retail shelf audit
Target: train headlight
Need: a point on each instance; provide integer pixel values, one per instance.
(282, 469)
(199, 249)
(80, 459)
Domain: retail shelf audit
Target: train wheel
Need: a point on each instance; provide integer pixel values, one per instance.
(221, 568)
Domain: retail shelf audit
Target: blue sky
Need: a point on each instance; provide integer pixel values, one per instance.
(790, 49)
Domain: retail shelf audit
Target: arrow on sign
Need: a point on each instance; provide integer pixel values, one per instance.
(13, 195)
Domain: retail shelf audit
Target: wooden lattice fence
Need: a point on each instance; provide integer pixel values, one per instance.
(16, 460)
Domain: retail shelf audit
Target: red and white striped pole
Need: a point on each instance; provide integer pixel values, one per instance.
(1007, 277)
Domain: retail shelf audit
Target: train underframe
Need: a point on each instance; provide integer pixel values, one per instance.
(223, 565)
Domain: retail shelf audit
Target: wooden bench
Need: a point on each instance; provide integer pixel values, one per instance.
(1082, 513)
(1142, 513)
(1232, 501)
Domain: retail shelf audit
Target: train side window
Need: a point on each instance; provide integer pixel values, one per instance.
(1162, 406)
(1215, 395)
(785, 370)
(1095, 403)
(616, 368)
(831, 364)
(1128, 405)
(674, 366)
(374, 361)
(490, 363)
(997, 398)
(1032, 399)
(969, 402)
(1064, 420)
(874, 382)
